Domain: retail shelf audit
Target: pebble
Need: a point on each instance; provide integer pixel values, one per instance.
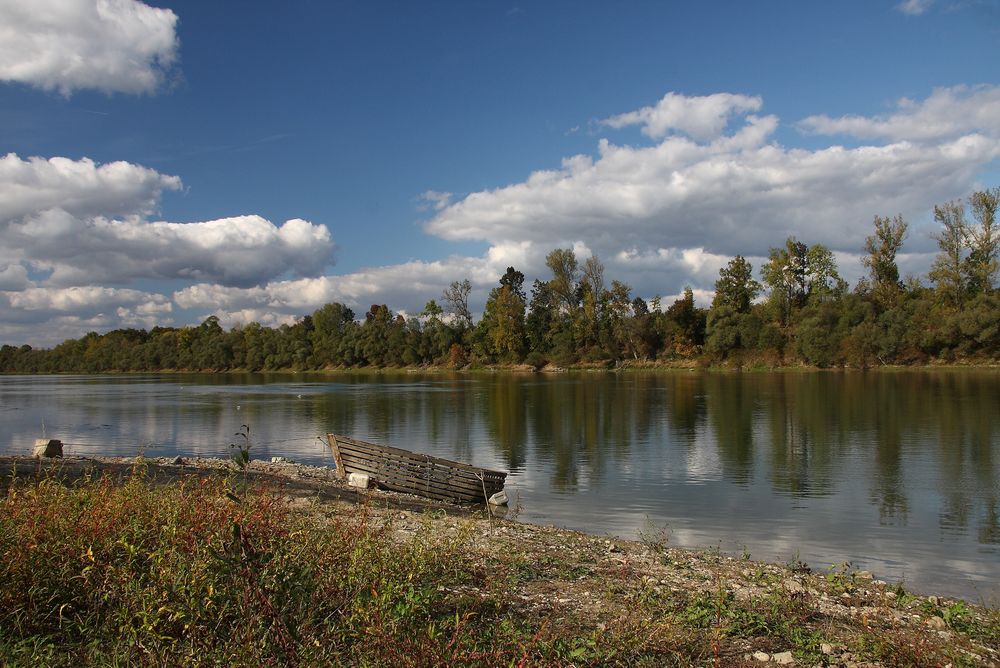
(936, 623)
(761, 656)
(826, 648)
(794, 587)
(783, 658)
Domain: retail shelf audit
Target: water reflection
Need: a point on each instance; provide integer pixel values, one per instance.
(894, 469)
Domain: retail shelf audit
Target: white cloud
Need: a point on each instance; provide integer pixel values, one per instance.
(948, 113)
(81, 188)
(740, 192)
(87, 223)
(65, 45)
(702, 117)
(47, 316)
(914, 7)
(436, 200)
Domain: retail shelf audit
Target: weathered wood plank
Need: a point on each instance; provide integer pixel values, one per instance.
(415, 473)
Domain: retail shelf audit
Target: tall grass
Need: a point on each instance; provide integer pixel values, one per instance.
(124, 572)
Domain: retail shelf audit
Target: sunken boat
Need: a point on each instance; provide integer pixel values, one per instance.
(414, 473)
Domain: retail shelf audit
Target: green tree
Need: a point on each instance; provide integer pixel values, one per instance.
(562, 262)
(948, 270)
(736, 287)
(982, 240)
(881, 259)
(786, 275)
(502, 325)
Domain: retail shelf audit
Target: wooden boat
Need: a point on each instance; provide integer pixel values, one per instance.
(414, 473)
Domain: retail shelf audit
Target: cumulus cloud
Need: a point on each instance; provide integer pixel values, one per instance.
(737, 193)
(46, 316)
(80, 188)
(85, 223)
(66, 45)
(701, 117)
(948, 113)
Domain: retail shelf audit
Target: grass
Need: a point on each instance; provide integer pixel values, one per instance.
(217, 570)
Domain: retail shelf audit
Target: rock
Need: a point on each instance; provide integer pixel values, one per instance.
(864, 575)
(362, 480)
(794, 587)
(498, 499)
(933, 600)
(47, 447)
(826, 648)
(178, 461)
(281, 460)
(783, 658)
(936, 623)
(761, 656)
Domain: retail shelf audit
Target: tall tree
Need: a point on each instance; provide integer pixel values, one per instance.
(823, 280)
(948, 270)
(881, 259)
(786, 274)
(593, 274)
(456, 296)
(982, 240)
(562, 262)
(503, 317)
(736, 286)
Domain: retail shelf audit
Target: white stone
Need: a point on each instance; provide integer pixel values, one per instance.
(783, 658)
(498, 499)
(826, 648)
(936, 623)
(761, 656)
(362, 480)
(794, 587)
(47, 447)
(281, 460)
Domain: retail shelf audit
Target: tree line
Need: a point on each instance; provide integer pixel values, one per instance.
(800, 311)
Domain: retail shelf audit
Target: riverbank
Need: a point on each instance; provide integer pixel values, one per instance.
(174, 559)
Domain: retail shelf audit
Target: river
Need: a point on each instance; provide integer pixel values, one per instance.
(896, 472)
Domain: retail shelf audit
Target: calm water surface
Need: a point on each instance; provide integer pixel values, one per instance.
(897, 473)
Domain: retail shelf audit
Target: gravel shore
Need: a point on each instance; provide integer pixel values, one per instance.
(717, 609)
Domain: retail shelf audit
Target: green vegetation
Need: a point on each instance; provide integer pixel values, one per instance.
(808, 316)
(218, 570)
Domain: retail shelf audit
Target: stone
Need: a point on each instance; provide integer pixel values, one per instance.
(783, 658)
(936, 623)
(864, 575)
(361, 480)
(281, 460)
(178, 461)
(934, 600)
(47, 447)
(794, 587)
(762, 656)
(826, 648)
(498, 499)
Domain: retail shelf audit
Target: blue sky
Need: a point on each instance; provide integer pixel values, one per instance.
(155, 153)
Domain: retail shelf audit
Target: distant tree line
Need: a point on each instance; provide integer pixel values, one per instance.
(800, 311)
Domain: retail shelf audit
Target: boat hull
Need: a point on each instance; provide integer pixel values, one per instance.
(414, 473)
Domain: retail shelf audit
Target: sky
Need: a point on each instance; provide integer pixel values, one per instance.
(165, 161)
